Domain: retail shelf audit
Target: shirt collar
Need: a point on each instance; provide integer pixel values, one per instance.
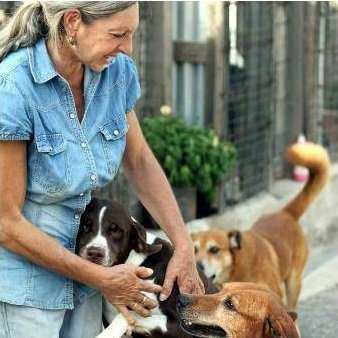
(41, 65)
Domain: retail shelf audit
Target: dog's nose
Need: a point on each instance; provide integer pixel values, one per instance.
(182, 301)
(94, 253)
(200, 265)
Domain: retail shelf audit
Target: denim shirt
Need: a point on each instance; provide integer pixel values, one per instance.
(66, 159)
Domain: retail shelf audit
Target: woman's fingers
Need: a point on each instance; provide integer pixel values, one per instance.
(143, 272)
(148, 302)
(201, 287)
(127, 289)
(142, 311)
(149, 287)
(126, 314)
(182, 269)
(167, 285)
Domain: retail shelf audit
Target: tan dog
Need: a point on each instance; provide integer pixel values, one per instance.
(274, 251)
(239, 310)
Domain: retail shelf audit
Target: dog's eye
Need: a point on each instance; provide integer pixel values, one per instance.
(229, 304)
(87, 225)
(214, 249)
(114, 228)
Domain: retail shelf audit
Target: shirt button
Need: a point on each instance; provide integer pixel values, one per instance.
(83, 144)
(72, 116)
(93, 177)
(116, 132)
(76, 216)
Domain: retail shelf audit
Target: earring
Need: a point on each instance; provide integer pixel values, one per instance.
(71, 40)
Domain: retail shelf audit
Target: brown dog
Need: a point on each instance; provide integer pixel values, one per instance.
(274, 251)
(239, 310)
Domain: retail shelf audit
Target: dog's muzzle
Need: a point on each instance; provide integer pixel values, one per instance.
(95, 255)
(193, 328)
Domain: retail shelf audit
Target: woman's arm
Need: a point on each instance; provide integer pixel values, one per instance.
(120, 284)
(155, 193)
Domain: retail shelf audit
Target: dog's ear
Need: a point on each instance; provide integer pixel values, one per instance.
(235, 239)
(269, 331)
(142, 245)
(280, 328)
(293, 315)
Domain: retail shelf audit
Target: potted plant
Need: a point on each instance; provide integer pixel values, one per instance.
(191, 156)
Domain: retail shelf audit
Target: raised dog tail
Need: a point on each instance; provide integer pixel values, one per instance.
(316, 159)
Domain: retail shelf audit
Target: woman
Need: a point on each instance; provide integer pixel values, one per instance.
(67, 92)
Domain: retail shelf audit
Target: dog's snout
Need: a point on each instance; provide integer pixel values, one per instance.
(182, 301)
(200, 265)
(95, 253)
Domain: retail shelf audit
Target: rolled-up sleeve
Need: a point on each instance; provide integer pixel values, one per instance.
(133, 88)
(15, 122)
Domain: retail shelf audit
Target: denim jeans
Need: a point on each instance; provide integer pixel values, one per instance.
(84, 321)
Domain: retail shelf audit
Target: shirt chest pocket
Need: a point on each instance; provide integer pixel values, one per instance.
(51, 169)
(113, 141)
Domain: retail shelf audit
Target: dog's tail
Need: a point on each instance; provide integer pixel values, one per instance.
(316, 159)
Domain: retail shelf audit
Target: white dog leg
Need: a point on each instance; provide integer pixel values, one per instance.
(117, 328)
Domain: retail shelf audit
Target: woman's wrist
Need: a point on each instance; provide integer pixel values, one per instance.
(95, 276)
(183, 243)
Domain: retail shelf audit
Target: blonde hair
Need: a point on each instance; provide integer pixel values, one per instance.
(36, 19)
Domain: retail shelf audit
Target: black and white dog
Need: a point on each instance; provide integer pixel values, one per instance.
(108, 235)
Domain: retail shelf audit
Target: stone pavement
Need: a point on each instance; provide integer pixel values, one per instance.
(318, 316)
(318, 307)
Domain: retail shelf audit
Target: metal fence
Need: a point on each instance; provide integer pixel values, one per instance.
(249, 90)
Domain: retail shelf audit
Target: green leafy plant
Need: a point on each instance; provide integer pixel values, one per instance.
(191, 156)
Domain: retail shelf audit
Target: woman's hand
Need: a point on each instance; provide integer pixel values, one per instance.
(123, 286)
(182, 269)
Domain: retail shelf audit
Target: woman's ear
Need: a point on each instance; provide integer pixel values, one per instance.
(71, 21)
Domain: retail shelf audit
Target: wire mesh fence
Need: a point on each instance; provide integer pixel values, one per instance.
(249, 122)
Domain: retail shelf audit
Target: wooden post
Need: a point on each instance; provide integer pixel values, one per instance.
(216, 68)
(280, 79)
(311, 71)
(294, 123)
(158, 61)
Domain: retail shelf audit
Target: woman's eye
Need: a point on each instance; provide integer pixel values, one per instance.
(118, 36)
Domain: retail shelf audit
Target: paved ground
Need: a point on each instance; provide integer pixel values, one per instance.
(318, 308)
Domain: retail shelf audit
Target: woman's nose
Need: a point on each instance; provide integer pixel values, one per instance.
(126, 45)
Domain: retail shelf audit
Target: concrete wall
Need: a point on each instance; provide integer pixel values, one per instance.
(319, 222)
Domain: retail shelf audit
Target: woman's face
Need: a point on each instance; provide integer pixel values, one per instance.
(97, 43)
